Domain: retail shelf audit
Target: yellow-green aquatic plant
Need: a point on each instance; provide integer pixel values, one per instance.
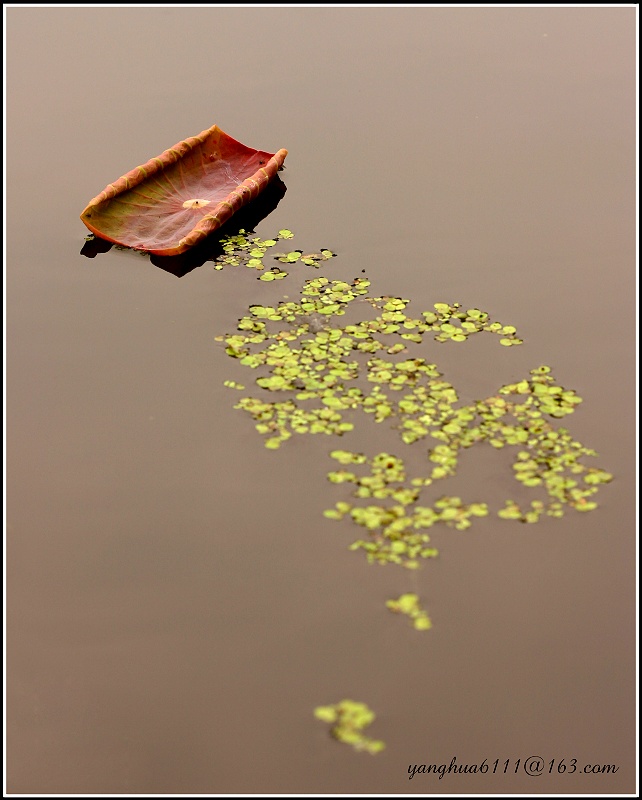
(348, 719)
(408, 604)
(250, 251)
(328, 371)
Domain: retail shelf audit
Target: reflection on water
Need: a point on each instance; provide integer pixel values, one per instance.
(178, 605)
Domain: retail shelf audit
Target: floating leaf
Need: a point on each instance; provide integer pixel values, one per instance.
(175, 200)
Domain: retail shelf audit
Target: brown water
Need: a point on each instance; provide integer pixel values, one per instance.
(177, 604)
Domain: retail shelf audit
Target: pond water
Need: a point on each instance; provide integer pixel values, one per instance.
(177, 603)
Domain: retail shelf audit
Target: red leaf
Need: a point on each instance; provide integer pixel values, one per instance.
(175, 200)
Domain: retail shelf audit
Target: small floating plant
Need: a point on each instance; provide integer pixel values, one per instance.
(348, 719)
(329, 372)
(408, 604)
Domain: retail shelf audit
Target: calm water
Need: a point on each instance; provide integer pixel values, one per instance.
(177, 604)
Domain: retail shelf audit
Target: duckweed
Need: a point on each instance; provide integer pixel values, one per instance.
(348, 719)
(250, 251)
(408, 604)
(326, 372)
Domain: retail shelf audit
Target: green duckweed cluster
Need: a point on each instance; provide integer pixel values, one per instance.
(311, 355)
(546, 458)
(329, 372)
(249, 251)
(348, 719)
(408, 604)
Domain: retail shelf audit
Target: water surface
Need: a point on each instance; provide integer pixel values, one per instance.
(178, 605)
